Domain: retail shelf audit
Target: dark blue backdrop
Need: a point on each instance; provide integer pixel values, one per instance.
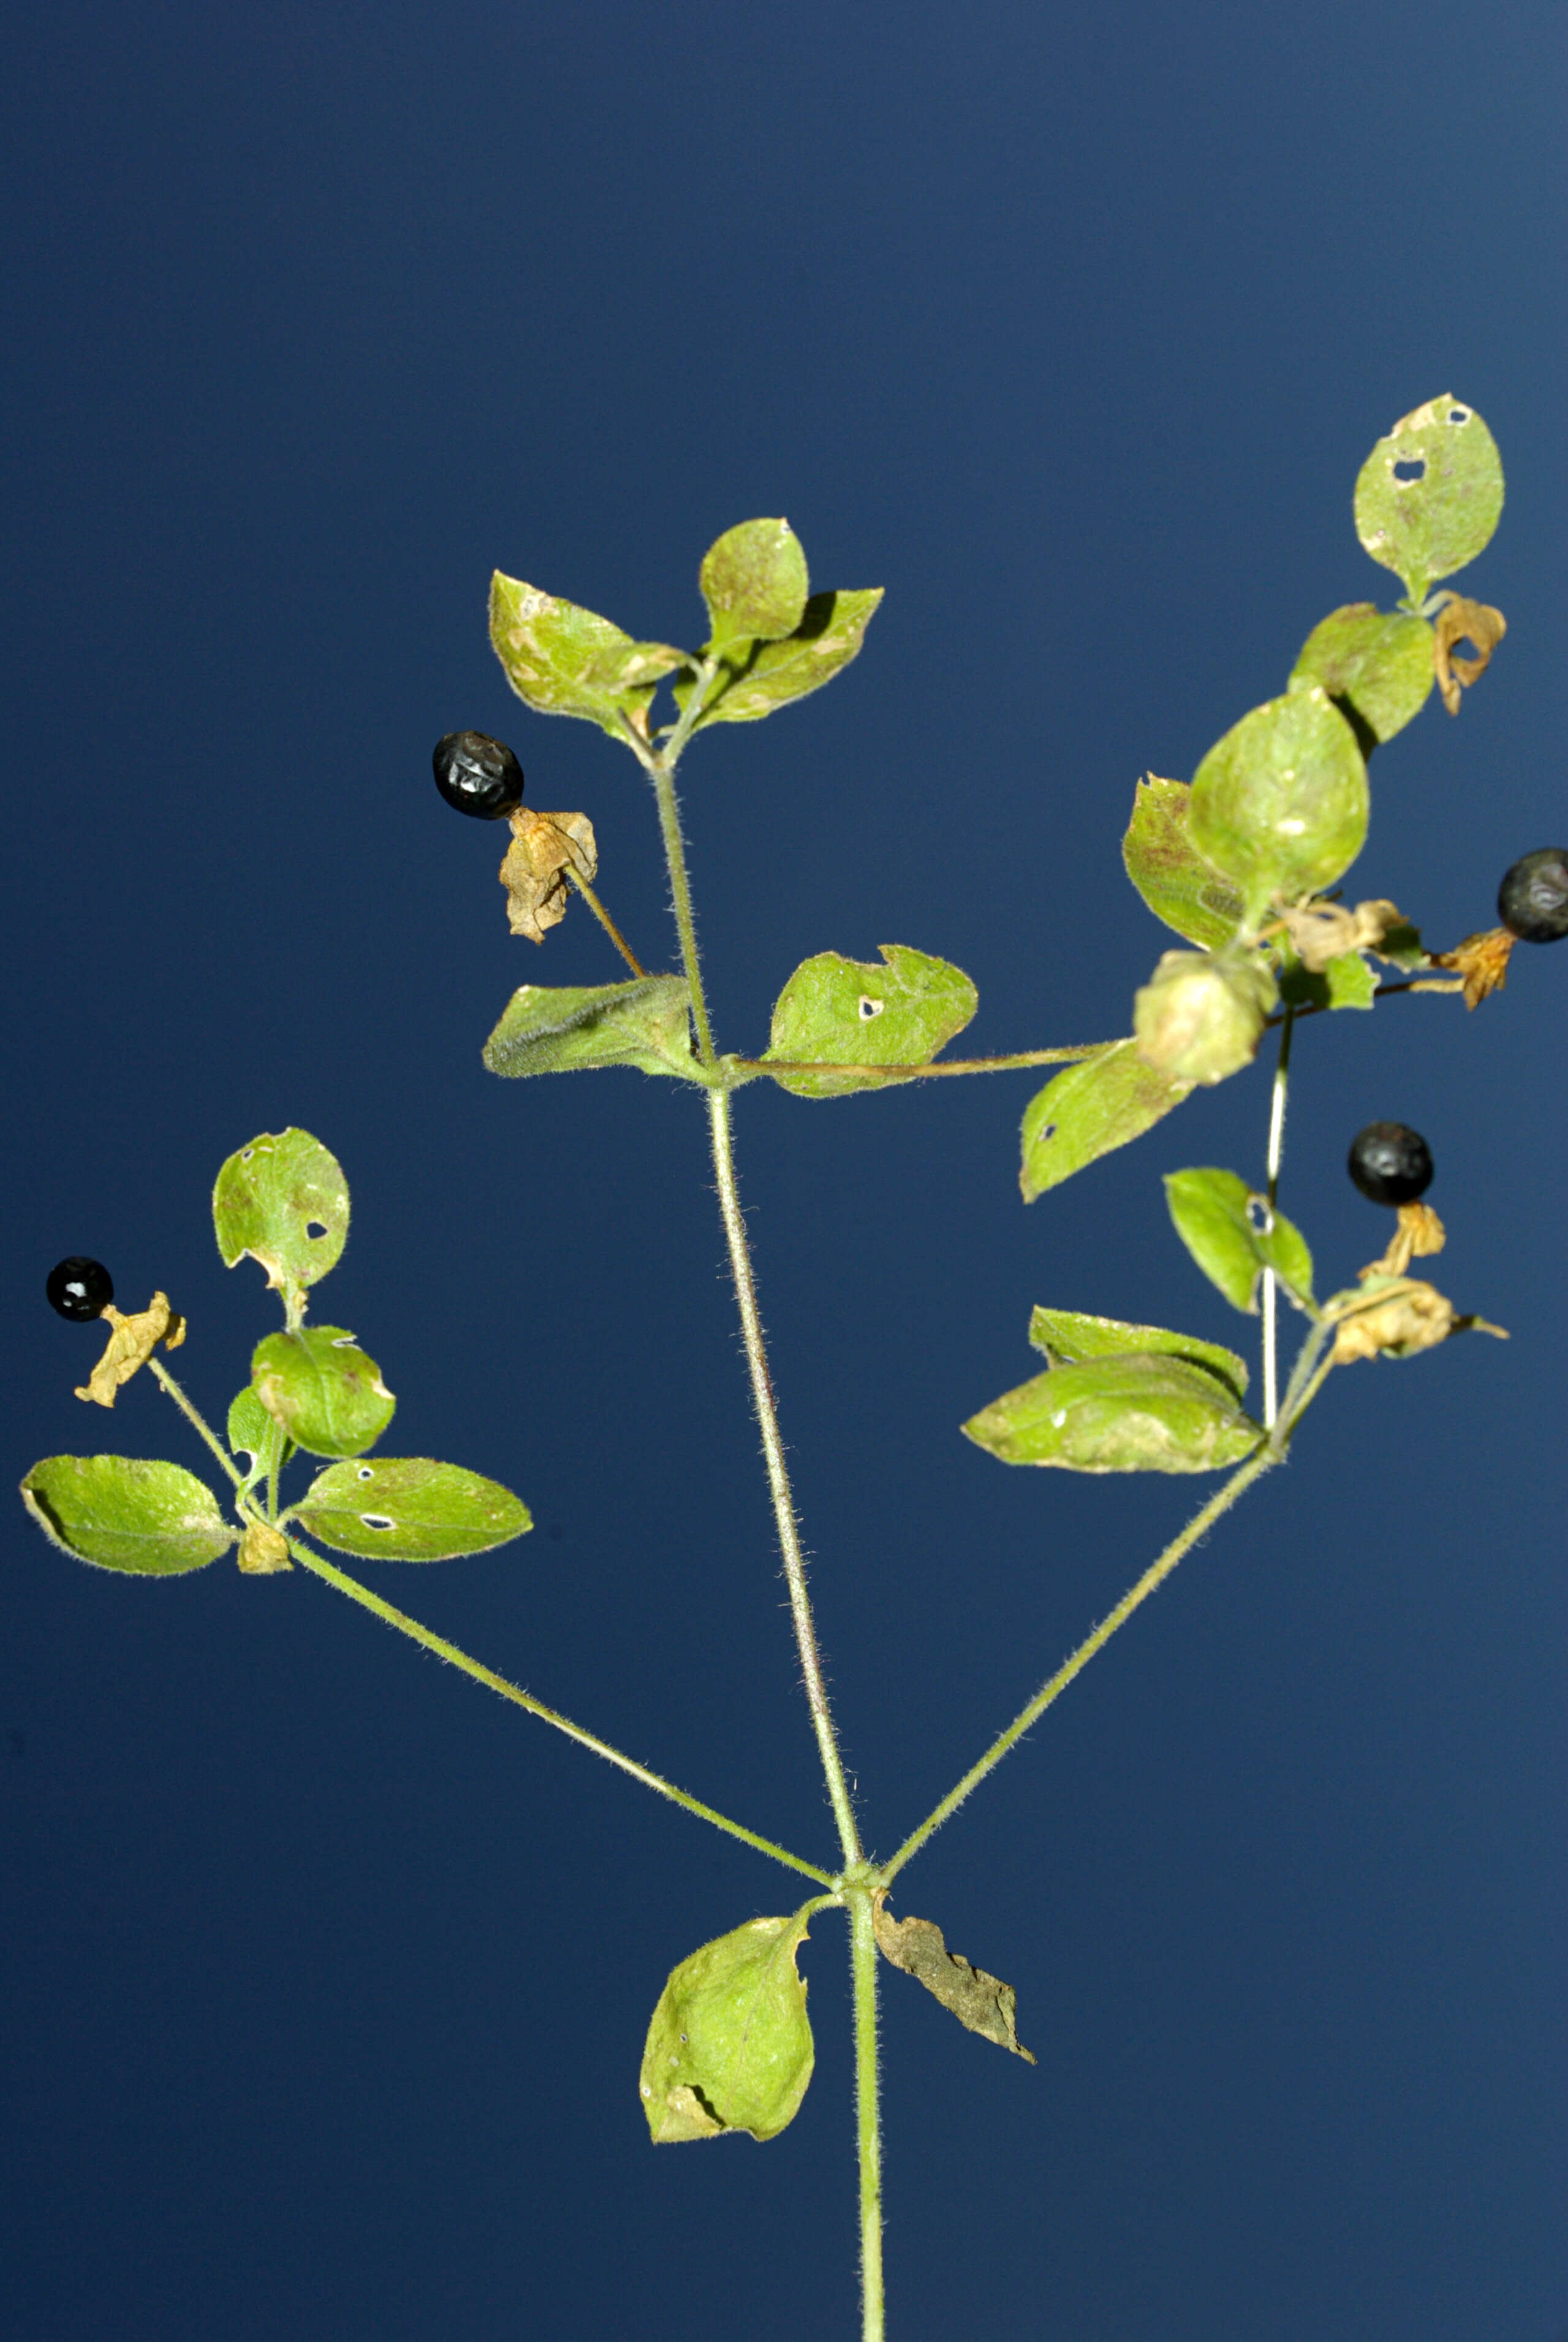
(324, 1975)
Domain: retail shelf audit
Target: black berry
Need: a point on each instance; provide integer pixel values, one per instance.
(478, 775)
(1532, 900)
(79, 1289)
(1390, 1163)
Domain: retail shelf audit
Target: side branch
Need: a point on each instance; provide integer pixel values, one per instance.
(486, 1676)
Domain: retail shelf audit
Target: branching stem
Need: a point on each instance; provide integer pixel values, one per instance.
(202, 1429)
(1270, 1292)
(486, 1676)
(607, 923)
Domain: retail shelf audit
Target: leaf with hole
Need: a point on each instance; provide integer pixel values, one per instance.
(1430, 496)
(572, 1028)
(257, 1436)
(1281, 803)
(321, 1390)
(754, 583)
(756, 679)
(148, 1519)
(1165, 866)
(408, 1509)
(1220, 1220)
(730, 2045)
(562, 660)
(1069, 1338)
(283, 1200)
(850, 1011)
(983, 2004)
(1143, 1413)
(1376, 669)
(1089, 1111)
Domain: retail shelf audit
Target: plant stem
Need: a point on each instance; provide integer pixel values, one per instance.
(189, 1412)
(1271, 1293)
(868, 2120)
(680, 899)
(1260, 1461)
(486, 1676)
(607, 923)
(778, 1475)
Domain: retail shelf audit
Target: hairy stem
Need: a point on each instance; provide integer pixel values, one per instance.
(778, 1475)
(486, 1676)
(868, 2115)
(680, 899)
(163, 1376)
(607, 923)
(1270, 1292)
(1262, 1459)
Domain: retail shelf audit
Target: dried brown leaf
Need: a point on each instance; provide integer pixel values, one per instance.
(132, 1341)
(1480, 961)
(983, 2003)
(1418, 1235)
(1325, 931)
(545, 846)
(263, 1550)
(1459, 618)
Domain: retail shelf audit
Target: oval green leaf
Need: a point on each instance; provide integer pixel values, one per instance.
(754, 583)
(283, 1200)
(730, 2045)
(850, 1011)
(1281, 803)
(1377, 670)
(1430, 496)
(1165, 866)
(1069, 1338)
(148, 1519)
(562, 660)
(1218, 1217)
(1088, 1111)
(757, 677)
(568, 1029)
(1141, 1414)
(319, 1386)
(408, 1509)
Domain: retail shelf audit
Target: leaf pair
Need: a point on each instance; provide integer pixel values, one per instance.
(771, 641)
(1120, 1397)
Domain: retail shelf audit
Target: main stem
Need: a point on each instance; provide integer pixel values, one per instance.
(868, 2122)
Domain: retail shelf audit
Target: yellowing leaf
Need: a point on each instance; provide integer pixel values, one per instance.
(131, 1343)
(730, 2046)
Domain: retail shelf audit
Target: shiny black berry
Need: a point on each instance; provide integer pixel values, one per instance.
(478, 775)
(1532, 900)
(1390, 1163)
(79, 1289)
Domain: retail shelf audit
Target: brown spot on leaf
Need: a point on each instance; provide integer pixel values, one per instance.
(982, 2003)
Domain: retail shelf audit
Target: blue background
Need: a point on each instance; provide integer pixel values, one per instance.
(323, 1976)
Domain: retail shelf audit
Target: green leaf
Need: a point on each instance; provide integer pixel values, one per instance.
(730, 2046)
(1430, 495)
(1089, 1110)
(756, 678)
(1139, 1414)
(153, 1520)
(1349, 981)
(983, 2004)
(408, 1509)
(1219, 1219)
(320, 1387)
(1069, 1339)
(850, 1011)
(754, 583)
(1281, 803)
(253, 1433)
(569, 1028)
(566, 661)
(1377, 670)
(1165, 866)
(283, 1200)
